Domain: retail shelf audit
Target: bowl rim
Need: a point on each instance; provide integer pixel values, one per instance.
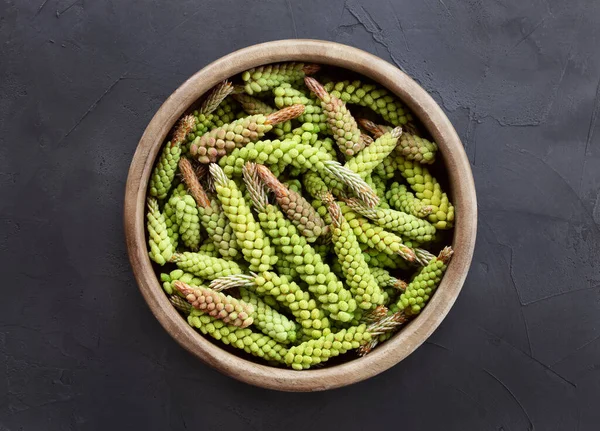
(462, 192)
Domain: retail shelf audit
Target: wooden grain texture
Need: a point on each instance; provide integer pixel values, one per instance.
(462, 193)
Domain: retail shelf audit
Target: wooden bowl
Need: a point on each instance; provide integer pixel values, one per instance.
(462, 194)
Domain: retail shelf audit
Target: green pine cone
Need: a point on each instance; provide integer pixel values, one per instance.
(254, 244)
(205, 267)
(215, 222)
(264, 78)
(269, 321)
(203, 124)
(308, 314)
(216, 304)
(178, 274)
(380, 100)
(224, 139)
(405, 224)
(286, 95)
(313, 352)
(308, 133)
(401, 199)
(246, 339)
(339, 119)
(429, 192)
(253, 106)
(366, 160)
(171, 218)
(314, 185)
(380, 259)
(420, 289)
(362, 284)
(164, 172)
(303, 215)
(412, 147)
(161, 248)
(299, 210)
(275, 152)
(384, 279)
(375, 236)
(186, 214)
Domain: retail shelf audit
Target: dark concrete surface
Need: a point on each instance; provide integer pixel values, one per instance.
(80, 79)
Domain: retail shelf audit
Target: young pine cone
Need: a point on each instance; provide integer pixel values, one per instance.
(384, 279)
(212, 216)
(428, 191)
(419, 290)
(186, 214)
(254, 244)
(205, 267)
(365, 162)
(224, 139)
(246, 339)
(178, 274)
(217, 305)
(171, 217)
(387, 168)
(401, 199)
(286, 95)
(295, 152)
(298, 209)
(253, 106)
(362, 284)
(405, 224)
(226, 112)
(161, 248)
(375, 236)
(265, 78)
(412, 147)
(372, 96)
(164, 171)
(340, 121)
(313, 352)
(269, 321)
(380, 259)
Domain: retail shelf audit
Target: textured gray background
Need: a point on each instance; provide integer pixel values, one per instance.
(79, 80)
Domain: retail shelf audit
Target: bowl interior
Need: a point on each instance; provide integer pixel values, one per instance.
(458, 183)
